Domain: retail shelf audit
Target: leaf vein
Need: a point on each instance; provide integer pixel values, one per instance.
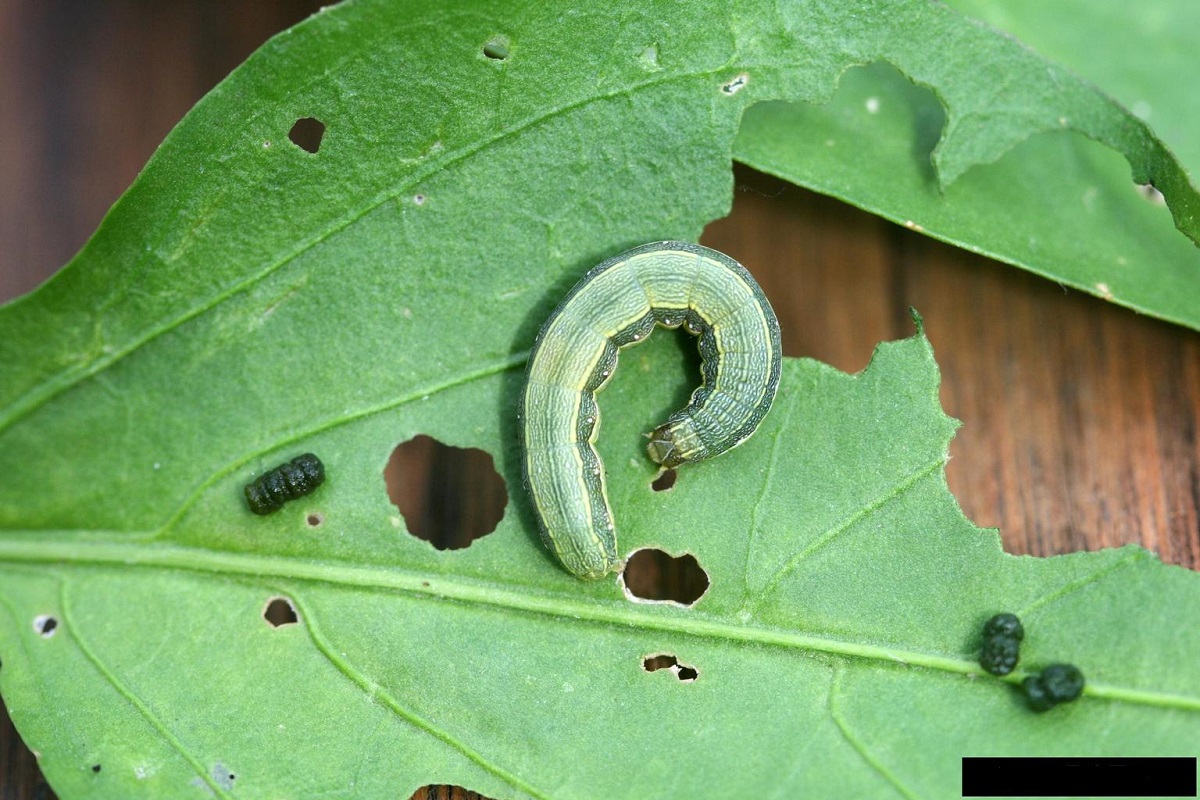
(860, 747)
(558, 606)
(493, 368)
(458, 589)
(42, 393)
(1077, 585)
(845, 525)
(376, 692)
(768, 480)
(130, 696)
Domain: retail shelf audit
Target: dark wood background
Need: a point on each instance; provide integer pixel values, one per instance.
(1081, 418)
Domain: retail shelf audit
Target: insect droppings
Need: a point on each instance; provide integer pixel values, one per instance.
(1002, 635)
(268, 492)
(1058, 683)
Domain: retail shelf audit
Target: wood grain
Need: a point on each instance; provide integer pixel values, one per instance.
(1080, 418)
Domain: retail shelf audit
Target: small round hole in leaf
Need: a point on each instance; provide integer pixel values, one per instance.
(658, 577)
(45, 625)
(280, 611)
(449, 496)
(315, 519)
(685, 673)
(655, 663)
(307, 134)
(664, 481)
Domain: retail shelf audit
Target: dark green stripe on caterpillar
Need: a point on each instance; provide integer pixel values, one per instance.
(300, 476)
(616, 305)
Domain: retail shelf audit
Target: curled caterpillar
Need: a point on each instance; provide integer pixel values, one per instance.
(617, 305)
(300, 476)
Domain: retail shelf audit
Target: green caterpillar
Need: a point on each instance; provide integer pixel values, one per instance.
(616, 305)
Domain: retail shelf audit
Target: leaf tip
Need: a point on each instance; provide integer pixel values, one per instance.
(918, 320)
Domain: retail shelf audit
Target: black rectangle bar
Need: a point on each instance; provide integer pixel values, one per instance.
(1078, 777)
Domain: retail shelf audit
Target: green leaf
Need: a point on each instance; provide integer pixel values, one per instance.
(1057, 204)
(248, 300)
(834, 650)
(1143, 56)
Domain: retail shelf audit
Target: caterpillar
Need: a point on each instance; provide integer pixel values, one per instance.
(617, 305)
(300, 476)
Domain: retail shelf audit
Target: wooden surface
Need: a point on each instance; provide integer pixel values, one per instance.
(1081, 418)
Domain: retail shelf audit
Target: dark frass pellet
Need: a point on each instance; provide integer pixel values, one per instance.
(1002, 635)
(1035, 693)
(300, 476)
(1000, 654)
(1063, 682)
(1006, 625)
(1057, 683)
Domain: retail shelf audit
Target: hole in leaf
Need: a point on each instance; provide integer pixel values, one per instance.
(683, 672)
(496, 48)
(1149, 192)
(655, 663)
(95, 767)
(664, 482)
(449, 496)
(315, 519)
(446, 792)
(307, 134)
(736, 85)
(280, 611)
(45, 625)
(658, 577)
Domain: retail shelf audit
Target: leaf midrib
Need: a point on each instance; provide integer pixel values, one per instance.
(39, 550)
